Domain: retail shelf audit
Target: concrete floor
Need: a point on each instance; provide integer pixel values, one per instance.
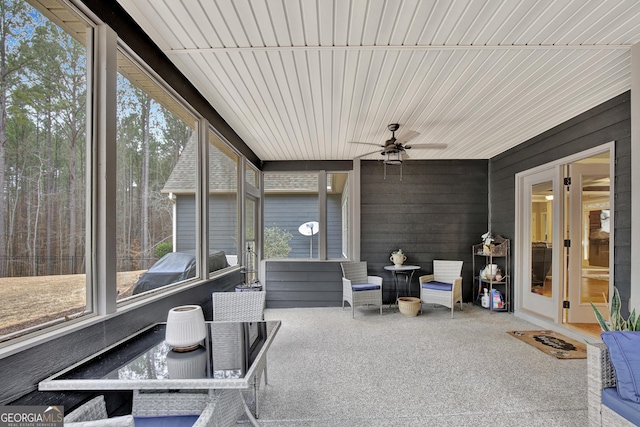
(327, 369)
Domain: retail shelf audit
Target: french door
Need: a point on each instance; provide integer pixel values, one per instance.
(564, 233)
(589, 230)
(539, 277)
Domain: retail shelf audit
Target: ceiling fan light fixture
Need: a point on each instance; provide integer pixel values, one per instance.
(393, 157)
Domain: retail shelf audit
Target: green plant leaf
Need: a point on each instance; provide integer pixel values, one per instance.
(617, 321)
(599, 318)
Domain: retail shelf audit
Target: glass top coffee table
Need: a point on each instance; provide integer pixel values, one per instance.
(227, 359)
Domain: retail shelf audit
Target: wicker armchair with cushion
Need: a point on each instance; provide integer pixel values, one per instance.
(94, 414)
(359, 289)
(242, 307)
(187, 409)
(613, 380)
(444, 286)
(164, 409)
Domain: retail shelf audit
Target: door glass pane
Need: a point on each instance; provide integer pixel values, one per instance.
(541, 238)
(596, 226)
(250, 258)
(337, 215)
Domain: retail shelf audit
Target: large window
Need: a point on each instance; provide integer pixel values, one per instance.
(293, 226)
(70, 169)
(156, 181)
(43, 89)
(223, 205)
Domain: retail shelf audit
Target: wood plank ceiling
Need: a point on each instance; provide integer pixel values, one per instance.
(300, 80)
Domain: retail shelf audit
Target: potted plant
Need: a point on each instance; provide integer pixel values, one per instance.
(616, 321)
(397, 258)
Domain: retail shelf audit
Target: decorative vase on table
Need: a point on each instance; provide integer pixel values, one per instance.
(398, 258)
(185, 327)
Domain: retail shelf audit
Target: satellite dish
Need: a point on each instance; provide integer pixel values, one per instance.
(309, 229)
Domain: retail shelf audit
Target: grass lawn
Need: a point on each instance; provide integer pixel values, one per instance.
(29, 301)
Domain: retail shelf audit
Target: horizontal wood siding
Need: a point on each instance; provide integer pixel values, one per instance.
(223, 224)
(610, 121)
(185, 224)
(44, 360)
(437, 211)
(303, 284)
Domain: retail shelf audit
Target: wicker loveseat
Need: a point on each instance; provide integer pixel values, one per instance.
(605, 406)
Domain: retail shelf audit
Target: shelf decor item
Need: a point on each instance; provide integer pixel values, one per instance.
(487, 240)
(185, 327)
(397, 258)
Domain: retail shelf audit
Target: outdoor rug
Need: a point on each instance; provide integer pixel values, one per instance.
(553, 343)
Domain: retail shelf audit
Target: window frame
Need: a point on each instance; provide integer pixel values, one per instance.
(103, 45)
(323, 243)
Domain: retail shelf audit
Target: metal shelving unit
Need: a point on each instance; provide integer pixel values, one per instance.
(499, 253)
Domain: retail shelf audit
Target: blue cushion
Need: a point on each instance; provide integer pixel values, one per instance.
(167, 421)
(624, 351)
(437, 286)
(365, 287)
(623, 407)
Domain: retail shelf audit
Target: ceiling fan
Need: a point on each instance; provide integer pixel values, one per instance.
(395, 150)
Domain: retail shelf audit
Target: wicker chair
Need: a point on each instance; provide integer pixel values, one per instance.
(94, 414)
(444, 286)
(600, 375)
(210, 408)
(359, 289)
(242, 307)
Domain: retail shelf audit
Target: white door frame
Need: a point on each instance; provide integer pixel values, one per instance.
(522, 226)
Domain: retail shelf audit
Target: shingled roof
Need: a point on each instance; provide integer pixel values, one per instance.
(222, 174)
(222, 170)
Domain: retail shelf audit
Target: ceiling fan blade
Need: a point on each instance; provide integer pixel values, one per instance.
(366, 154)
(408, 136)
(428, 146)
(365, 143)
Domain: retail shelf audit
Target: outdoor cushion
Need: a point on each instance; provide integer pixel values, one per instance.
(623, 350)
(437, 286)
(365, 287)
(167, 421)
(623, 407)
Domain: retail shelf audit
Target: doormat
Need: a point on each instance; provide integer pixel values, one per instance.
(553, 343)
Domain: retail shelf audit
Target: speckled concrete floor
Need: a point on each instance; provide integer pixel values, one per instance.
(327, 369)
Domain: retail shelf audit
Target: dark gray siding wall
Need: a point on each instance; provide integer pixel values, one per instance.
(437, 211)
(610, 121)
(223, 224)
(289, 211)
(20, 373)
(303, 284)
(223, 220)
(185, 224)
